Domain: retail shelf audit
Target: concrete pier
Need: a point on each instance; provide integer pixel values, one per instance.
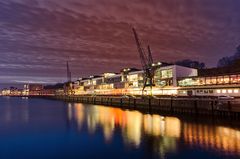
(173, 105)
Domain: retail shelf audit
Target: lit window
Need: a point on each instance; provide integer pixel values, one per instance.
(224, 91)
(174, 92)
(235, 91)
(167, 73)
(230, 91)
(218, 91)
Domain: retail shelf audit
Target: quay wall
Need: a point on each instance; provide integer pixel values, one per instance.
(170, 105)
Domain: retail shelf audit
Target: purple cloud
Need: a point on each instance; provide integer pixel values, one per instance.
(37, 36)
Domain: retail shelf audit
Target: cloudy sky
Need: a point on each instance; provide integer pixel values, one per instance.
(38, 36)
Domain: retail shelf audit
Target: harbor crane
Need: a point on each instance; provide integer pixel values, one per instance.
(147, 63)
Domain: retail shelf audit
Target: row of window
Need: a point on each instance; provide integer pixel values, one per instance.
(230, 79)
(205, 91)
(211, 91)
(227, 91)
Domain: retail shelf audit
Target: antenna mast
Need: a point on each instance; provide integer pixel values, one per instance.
(69, 74)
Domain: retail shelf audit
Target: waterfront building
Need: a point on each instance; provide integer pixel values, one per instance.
(5, 92)
(130, 81)
(222, 84)
(12, 91)
(32, 89)
(168, 79)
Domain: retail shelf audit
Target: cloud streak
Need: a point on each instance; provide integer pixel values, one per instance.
(37, 36)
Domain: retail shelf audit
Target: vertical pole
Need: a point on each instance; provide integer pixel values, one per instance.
(212, 107)
(196, 107)
(121, 102)
(150, 104)
(229, 108)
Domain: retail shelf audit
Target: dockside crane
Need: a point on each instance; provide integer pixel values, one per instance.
(147, 62)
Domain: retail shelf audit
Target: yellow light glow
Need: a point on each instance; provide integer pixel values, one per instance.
(235, 91)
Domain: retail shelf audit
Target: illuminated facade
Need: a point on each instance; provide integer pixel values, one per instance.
(210, 85)
(130, 82)
(169, 80)
(32, 89)
(11, 92)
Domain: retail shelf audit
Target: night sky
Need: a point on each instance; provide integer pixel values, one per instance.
(38, 36)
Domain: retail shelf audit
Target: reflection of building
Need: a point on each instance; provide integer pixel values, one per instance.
(162, 126)
(132, 131)
(12, 116)
(159, 131)
(132, 123)
(218, 138)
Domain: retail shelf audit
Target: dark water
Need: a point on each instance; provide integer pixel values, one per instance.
(45, 129)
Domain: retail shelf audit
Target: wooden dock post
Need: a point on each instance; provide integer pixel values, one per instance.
(229, 108)
(212, 107)
(195, 107)
(171, 105)
(150, 104)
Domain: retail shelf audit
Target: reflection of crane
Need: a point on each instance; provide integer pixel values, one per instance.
(146, 61)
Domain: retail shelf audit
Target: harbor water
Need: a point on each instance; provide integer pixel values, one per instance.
(40, 128)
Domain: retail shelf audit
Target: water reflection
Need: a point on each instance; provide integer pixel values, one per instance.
(162, 133)
(133, 124)
(218, 138)
(9, 114)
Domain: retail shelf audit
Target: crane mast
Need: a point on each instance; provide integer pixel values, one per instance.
(69, 75)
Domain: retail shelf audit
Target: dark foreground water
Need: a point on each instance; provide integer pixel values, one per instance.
(45, 129)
